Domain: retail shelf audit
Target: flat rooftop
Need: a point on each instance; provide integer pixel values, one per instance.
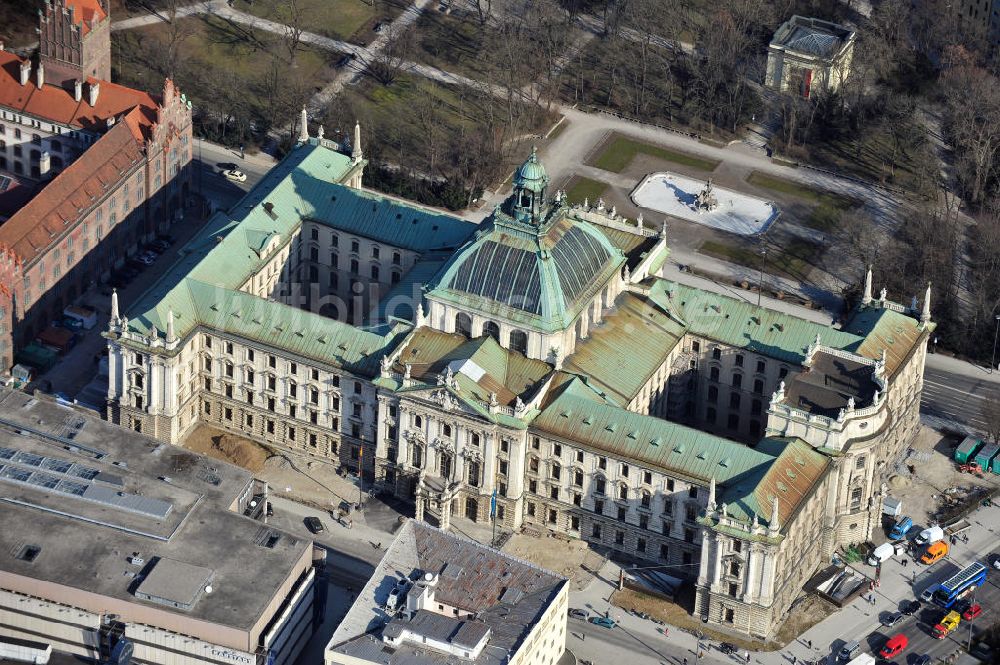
(104, 507)
(829, 383)
(507, 596)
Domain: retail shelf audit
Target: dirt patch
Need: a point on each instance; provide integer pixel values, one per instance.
(228, 448)
(678, 614)
(560, 554)
(928, 479)
(801, 617)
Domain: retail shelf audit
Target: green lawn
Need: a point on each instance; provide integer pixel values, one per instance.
(340, 19)
(619, 152)
(581, 188)
(828, 207)
(794, 260)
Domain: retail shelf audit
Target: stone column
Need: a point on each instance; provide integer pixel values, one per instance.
(445, 511)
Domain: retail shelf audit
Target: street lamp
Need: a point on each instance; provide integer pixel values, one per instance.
(993, 363)
(760, 282)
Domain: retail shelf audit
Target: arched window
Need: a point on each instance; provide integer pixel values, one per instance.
(374, 272)
(519, 341)
(533, 465)
(463, 324)
(418, 421)
(645, 499)
(555, 471)
(445, 429)
(492, 329)
(417, 457)
(55, 145)
(599, 485)
(737, 380)
(623, 492)
(713, 373)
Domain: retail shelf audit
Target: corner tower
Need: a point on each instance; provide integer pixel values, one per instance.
(75, 40)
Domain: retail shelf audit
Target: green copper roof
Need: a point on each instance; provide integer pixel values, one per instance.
(537, 276)
(744, 325)
(791, 478)
(647, 439)
(626, 348)
(195, 303)
(531, 175)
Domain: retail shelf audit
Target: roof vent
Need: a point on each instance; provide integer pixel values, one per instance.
(791, 474)
(269, 209)
(701, 454)
(567, 413)
(655, 442)
(679, 448)
(781, 486)
(633, 434)
(725, 462)
(611, 427)
(587, 420)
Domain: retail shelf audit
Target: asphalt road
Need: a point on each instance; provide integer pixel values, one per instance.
(957, 398)
(918, 627)
(210, 160)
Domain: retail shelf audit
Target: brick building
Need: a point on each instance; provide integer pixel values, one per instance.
(97, 168)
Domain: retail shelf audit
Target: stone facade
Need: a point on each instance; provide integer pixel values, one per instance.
(453, 418)
(808, 56)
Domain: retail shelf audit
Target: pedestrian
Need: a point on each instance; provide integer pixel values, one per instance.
(794, 659)
(583, 637)
(748, 657)
(809, 643)
(685, 661)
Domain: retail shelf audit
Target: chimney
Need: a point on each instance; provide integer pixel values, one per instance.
(78, 90)
(40, 75)
(95, 90)
(25, 72)
(1, 44)
(44, 163)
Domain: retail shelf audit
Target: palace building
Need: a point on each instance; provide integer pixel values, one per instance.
(89, 169)
(538, 358)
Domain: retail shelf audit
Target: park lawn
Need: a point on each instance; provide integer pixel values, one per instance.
(581, 188)
(619, 151)
(346, 20)
(232, 48)
(867, 156)
(828, 207)
(794, 261)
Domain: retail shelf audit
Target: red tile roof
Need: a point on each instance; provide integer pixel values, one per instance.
(87, 11)
(58, 105)
(33, 228)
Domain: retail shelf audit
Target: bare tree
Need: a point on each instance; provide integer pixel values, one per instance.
(972, 121)
(484, 10)
(178, 31)
(292, 15)
(990, 413)
(386, 64)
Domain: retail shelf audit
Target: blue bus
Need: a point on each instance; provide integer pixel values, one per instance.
(960, 585)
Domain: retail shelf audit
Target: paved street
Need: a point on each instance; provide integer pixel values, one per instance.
(957, 399)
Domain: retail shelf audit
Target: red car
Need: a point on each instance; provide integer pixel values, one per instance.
(972, 612)
(894, 646)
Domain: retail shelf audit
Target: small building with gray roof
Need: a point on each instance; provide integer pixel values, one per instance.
(440, 599)
(807, 56)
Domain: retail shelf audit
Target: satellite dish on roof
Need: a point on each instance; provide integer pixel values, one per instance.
(429, 577)
(208, 588)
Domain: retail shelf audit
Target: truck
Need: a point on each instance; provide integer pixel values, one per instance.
(884, 552)
(900, 528)
(25, 651)
(931, 534)
(863, 659)
(967, 449)
(948, 623)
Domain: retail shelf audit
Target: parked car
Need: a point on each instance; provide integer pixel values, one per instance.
(269, 509)
(922, 660)
(891, 620)
(146, 259)
(167, 238)
(996, 562)
(602, 621)
(894, 646)
(728, 648)
(972, 612)
(159, 245)
(233, 174)
(901, 528)
(577, 613)
(313, 524)
(911, 607)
